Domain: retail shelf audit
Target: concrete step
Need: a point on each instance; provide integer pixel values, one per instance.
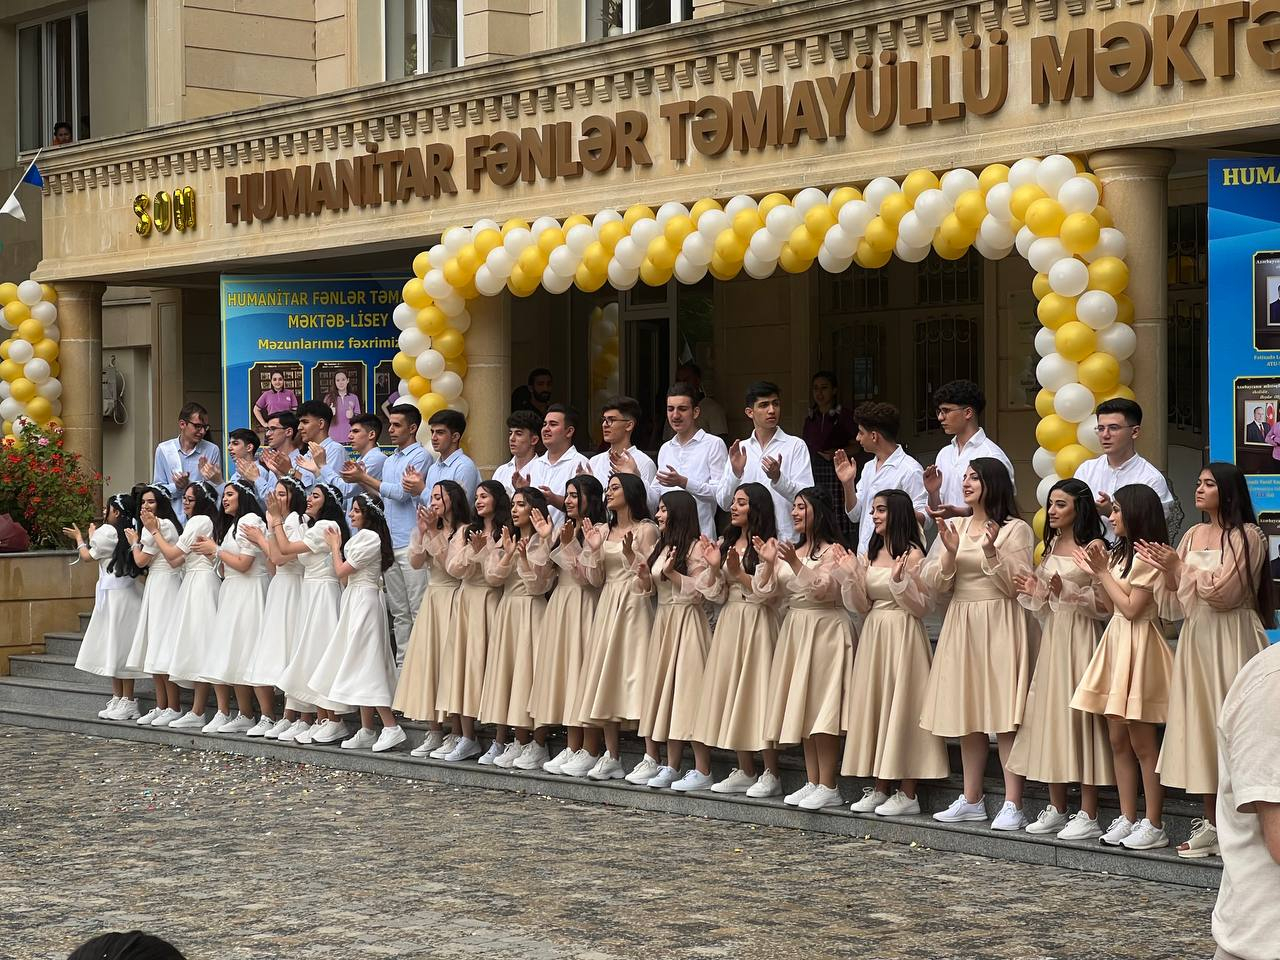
(63, 644)
(63, 670)
(84, 619)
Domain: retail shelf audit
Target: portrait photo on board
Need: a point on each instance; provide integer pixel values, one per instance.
(1266, 299)
(1257, 424)
(274, 387)
(341, 385)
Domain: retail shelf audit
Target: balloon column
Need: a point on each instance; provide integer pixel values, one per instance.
(29, 384)
(602, 349)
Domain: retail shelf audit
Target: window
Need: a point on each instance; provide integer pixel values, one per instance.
(608, 18)
(941, 282)
(947, 347)
(405, 21)
(53, 79)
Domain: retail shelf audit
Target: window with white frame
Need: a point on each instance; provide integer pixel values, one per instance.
(421, 36)
(53, 79)
(608, 18)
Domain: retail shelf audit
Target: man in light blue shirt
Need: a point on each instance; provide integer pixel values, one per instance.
(177, 461)
(447, 428)
(314, 418)
(365, 431)
(281, 456)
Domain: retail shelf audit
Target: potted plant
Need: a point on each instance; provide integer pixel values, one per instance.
(44, 487)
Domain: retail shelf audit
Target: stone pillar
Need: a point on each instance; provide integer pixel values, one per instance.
(494, 30)
(487, 385)
(80, 359)
(1136, 194)
(713, 8)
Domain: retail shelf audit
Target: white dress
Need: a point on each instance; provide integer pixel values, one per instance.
(358, 665)
(116, 603)
(240, 603)
(153, 640)
(280, 615)
(197, 611)
(321, 597)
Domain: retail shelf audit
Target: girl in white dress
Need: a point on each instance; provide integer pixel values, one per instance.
(281, 609)
(150, 651)
(317, 618)
(359, 666)
(244, 590)
(117, 603)
(197, 606)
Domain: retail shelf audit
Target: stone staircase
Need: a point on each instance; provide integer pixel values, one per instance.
(45, 690)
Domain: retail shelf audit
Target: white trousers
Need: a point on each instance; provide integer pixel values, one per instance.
(404, 587)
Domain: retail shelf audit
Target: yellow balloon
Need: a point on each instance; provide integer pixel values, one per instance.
(1023, 198)
(1078, 163)
(15, 311)
(1045, 217)
(869, 257)
(421, 264)
(653, 274)
(532, 261)
(596, 258)
(432, 321)
(803, 243)
(549, 239)
(575, 220)
(916, 183)
(1121, 392)
(1092, 178)
(892, 209)
(971, 208)
(771, 201)
(991, 175)
(818, 220)
(1100, 372)
(635, 213)
(745, 223)
(449, 343)
(1106, 273)
(22, 389)
(879, 235)
(1124, 308)
(469, 259)
(457, 365)
(55, 368)
(429, 404)
(946, 251)
(9, 370)
(403, 366)
(730, 247)
(1055, 310)
(1079, 233)
(468, 291)
(589, 280)
(955, 233)
(1067, 460)
(6, 429)
(1038, 522)
(8, 293)
(661, 254)
(722, 269)
(4, 349)
(46, 349)
(522, 284)
(513, 224)
(1103, 216)
(1075, 341)
(842, 196)
(486, 242)
(456, 274)
(1053, 433)
(39, 409)
(414, 294)
(55, 423)
(611, 233)
(701, 207)
(419, 385)
(1040, 286)
(791, 261)
(677, 229)
(1038, 554)
(1044, 402)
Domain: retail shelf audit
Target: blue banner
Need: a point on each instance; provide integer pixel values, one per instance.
(290, 339)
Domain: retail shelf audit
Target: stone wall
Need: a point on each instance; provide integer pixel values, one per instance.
(40, 593)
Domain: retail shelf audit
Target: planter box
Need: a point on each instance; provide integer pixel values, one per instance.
(41, 592)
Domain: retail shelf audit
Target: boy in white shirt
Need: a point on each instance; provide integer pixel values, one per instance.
(691, 460)
(959, 404)
(618, 420)
(1119, 424)
(523, 427)
(890, 468)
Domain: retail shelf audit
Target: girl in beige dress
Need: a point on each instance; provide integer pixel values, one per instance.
(735, 693)
(418, 690)
(466, 650)
(1127, 681)
(891, 668)
(1055, 744)
(674, 668)
(562, 653)
(516, 633)
(1217, 582)
(814, 646)
(613, 681)
(982, 664)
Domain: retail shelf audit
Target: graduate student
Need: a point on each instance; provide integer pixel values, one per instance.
(152, 640)
(890, 468)
(692, 460)
(959, 405)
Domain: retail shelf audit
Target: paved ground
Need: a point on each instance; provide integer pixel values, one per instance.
(239, 858)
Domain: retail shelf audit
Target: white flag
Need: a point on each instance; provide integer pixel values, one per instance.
(13, 208)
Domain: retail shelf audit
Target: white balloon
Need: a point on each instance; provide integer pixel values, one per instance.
(1097, 308)
(645, 231)
(451, 304)
(1069, 277)
(697, 249)
(454, 239)
(932, 207)
(579, 237)
(404, 316)
(1045, 485)
(910, 254)
(436, 285)
(854, 217)
(1111, 243)
(605, 216)
(1119, 340)
(5, 324)
(483, 224)
(713, 223)
(1023, 241)
(1078, 195)
(564, 262)
(838, 242)
(402, 388)
(807, 199)
(765, 246)
(53, 333)
(1087, 434)
(45, 312)
(998, 202)
(913, 231)
(516, 240)
(1042, 462)
(487, 282)
(413, 341)
(1073, 401)
(1044, 342)
(11, 409)
(687, 271)
(783, 219)
(448, 384)
(461, 321)
(757, 267)
(623, 277)
(1021, 173)
(606, 328)
(737, 204)
(554, 282)
(429, 363)
(29, 292)
(832, 263)
(6, 391)
(611, 311)
(542, 224)
(1054, 171)
(876, 192)
(438, 256)
(20, 351)
(1126, 372)
(1045, 252)
(992, 231)
(956, 182)
(990, 251)
(500, 263)
(670, 210)
(1055, 371)
(628, 254)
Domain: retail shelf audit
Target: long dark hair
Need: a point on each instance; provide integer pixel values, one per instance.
(206, 501)
(246, 503)
(501, 510)
(825, 528)
(459, 505)
(297, 495)
(997, 489)
(121, 563)
(134, 945)
(375, 519)
(681, 531)
(637, 498)
(534, 499)
(590, 502)
(901, 525)
(164, 506)
(1087, 526)
(332, 510)
(1143, 515)
(762, 522)
(1235, 512)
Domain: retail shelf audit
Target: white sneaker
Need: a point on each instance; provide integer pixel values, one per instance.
(643, 772)
(793, 799)
(1050, 820)
(1009, 818)
(446, 746)
(331, 731)
(464, 749)
(1080, 827)
(364, 739)
(261, 728)
(1120, 828)
(693, 780)
(125, 710)
(434, 740)
(495, 750)
(735, 782)
(556, 764)
(188, 720)
(532, 757)
(767, 786)
(664, 778)
(508, 757)
(279, 727)
(607, 768)
(166, 717)
(215, 725)
(871, 798)
(389, 738)
(899, 805)
(1145, 836)
(302, 732)
(579, 765)
(1202, 843)
(111, 705)
(239, 724)
(290, 733)
(820, 797)
(962, 810)
(146, 718)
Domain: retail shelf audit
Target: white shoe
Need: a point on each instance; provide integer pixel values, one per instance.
(364, 739)
(899, 805)
(389, 738)
(793, 799)
(820, 797)
(1080, 827)
(103, 714)
(188, 720)
(1050, 820)
(303, 732)
(290, 734)
(125, 710)
(464, 749)
(556, 764)
(446, 747)
(961, 810)
(495, 750)
(608, 768)
(239, 724)
(1120, 828)
(331, 731)
(735, 782)
(1145, 836)
(767, 786)
(260, 729)
(1009, 818)
(1202, 843)
(871, 798)
(643, 772)
(279, 727)
(510, 754)
(146, 718)
(434, 740)
(579, 765)
(693, 780)
(215, 725)
(664, 778)
(532, 757)
(166, 717)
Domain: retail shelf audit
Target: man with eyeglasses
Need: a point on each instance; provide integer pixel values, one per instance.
(178, 460)
(618, 420)
(1119, 423)
(959, 406)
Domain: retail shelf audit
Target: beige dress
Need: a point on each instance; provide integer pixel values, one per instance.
(677, 658)
(1130, 672)
(562, 651)
(613, 681)
(514, 637)
(810, 660)
(1220, 634)
(982, 664)
(418, 691)
(462, 665)
(1056, 744)
(735, 689)
(890, 670)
